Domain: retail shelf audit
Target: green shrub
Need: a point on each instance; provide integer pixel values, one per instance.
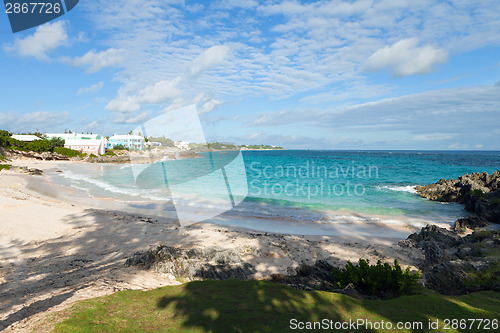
(478, 236)
(40, 146)
(110, 153)
(4, 166)
(57, 142)
(495, 201)
(382, 280)
(92, 156)
(478, 192)
(67, 152)
(120, 147)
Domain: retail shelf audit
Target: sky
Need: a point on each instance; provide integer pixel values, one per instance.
(365, 74)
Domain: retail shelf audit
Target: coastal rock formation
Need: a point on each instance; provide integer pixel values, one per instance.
(45, 156)
(143, 157)
(479, 192)
(471, 222)
(194, 264)
(456, 265)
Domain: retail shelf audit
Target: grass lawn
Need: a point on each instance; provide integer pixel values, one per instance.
(258, 306)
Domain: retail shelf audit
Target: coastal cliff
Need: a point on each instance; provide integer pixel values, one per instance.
(479, 192)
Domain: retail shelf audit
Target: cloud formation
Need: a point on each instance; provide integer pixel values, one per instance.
(92, 89)
(406, 58)
(96, 61)
(209, 58)
(156, 93)
(45, 39)
(29, 122)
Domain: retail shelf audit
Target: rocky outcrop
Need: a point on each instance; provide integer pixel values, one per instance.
(194, 264)
(457, 265)
(479, 192)
(471, 222)
(309, 277)
(109, 159)
(142, 157)
(45, 156)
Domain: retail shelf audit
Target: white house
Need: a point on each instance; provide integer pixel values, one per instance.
(90, 145)
(25, 138)
(152, 144)
(130, 141)
(84, 143)
(182, 145)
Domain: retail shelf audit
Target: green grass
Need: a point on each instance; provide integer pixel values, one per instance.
(258, 306)
(4, 166)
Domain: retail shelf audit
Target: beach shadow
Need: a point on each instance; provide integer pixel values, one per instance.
(94, 256)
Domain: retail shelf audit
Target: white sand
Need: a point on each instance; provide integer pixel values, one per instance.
(54, 253)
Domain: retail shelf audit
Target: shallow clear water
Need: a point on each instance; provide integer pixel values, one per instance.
(296, 186)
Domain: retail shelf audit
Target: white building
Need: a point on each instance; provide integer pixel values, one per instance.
(84, 143)
(25, 138)
(152, 144)
(130, 141)
(182, 144)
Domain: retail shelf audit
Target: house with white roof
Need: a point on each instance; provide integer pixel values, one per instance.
(84, 143)
(130, 141)
(87, 144)
(182, 145)
(25, 138)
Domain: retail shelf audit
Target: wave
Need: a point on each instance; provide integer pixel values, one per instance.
(407, 188)
(112, 188)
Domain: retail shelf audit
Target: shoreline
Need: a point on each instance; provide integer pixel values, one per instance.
(53, 253)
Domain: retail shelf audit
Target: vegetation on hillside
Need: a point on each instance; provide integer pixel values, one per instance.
(39, 146)
(262, 147)
(165, 142)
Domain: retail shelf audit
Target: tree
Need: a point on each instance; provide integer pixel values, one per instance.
(40, 146)
(57, 142)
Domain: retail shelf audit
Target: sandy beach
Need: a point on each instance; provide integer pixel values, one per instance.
(53, 253)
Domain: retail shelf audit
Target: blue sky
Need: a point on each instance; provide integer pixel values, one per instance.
(366, 74)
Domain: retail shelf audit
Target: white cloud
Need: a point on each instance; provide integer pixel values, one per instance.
(209, 58)
(406, 58)
(433, 137)
(210, 106)
(127, 118)
(92, 89)
(231, 4)
(95, 61)
(157, 93)
(424, 119)
(42, 120)
(45, 39)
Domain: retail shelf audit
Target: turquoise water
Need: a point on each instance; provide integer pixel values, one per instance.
(295, 186)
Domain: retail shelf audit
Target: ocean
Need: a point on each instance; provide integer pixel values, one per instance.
(294, 191)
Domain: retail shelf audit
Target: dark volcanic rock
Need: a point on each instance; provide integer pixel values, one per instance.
(479, 192)
(456, 265)
(194, 264)
(310, 277)
(471, 222)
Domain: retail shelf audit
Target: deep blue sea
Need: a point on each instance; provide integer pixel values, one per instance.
(295, 187)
